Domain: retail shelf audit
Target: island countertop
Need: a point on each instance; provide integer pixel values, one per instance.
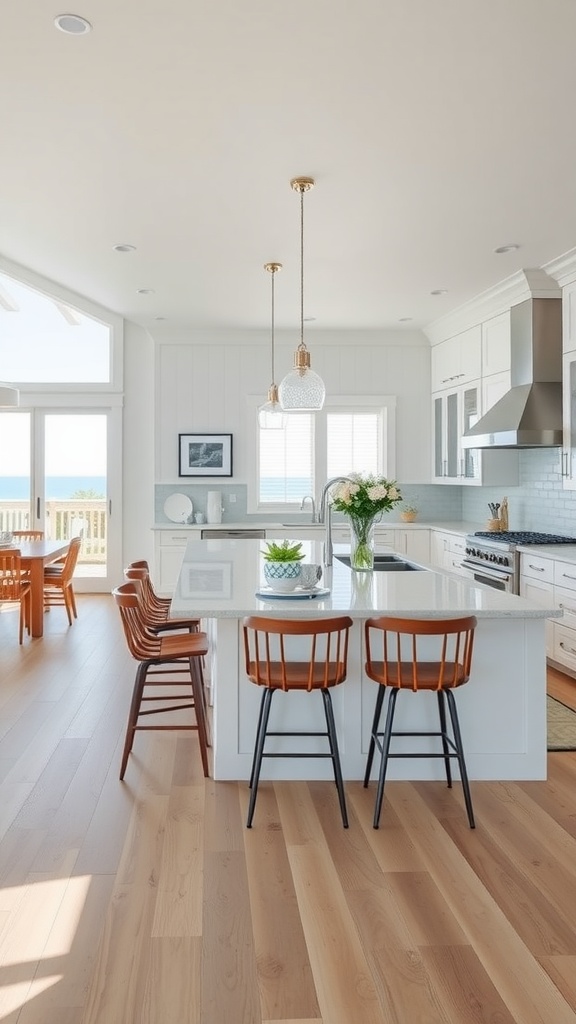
(502, 709)
(220, 578)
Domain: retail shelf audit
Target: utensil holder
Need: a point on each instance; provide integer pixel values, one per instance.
(494, 525)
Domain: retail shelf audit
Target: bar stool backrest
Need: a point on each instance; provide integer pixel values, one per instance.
(272, 660)
(399, 653)
(141, 644)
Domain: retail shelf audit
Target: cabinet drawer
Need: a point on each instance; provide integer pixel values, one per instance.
(178, 539)
(385, 538)
(566, 600)
(564, 649)
(565, 575)
(537, 568)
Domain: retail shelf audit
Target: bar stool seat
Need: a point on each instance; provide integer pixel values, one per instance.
(274, 660)
(393, 649)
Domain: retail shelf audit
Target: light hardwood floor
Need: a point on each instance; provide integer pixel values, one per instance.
(148, 902)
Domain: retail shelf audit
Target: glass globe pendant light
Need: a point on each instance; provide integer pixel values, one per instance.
(302, 390)
(271, 416)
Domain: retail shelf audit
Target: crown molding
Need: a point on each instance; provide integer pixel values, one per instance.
(563, 269)
(530, 283)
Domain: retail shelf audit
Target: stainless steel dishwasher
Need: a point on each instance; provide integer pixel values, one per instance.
(233, 535)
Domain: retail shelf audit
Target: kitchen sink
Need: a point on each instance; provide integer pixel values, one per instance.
(387, 563)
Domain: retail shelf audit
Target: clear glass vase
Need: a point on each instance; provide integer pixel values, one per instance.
(362, 543)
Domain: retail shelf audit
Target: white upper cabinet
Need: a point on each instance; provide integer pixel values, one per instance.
(457, 360)
(470, 373)
(569, 318)
(496, 345)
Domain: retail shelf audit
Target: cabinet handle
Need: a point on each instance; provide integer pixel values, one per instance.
(569, 650)
(565, 464)
(567, 576)
(537, 568)
(445, 470)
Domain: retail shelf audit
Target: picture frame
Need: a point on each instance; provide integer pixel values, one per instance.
(204, 455)
(206, 580)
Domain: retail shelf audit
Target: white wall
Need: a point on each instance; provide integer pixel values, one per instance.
(203, 379)
(138, 445)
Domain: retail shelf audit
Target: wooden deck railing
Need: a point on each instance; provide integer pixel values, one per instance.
(64, 519)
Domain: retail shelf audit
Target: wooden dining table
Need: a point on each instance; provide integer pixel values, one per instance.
(35, 555)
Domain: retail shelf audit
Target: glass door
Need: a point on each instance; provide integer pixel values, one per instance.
(77, 490)
(15, 471)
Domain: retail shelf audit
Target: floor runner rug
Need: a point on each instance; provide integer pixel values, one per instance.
(561, 726)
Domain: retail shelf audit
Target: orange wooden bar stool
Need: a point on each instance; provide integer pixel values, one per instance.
(171, 661)
(393, 649)
(157, 609)
(271, 662)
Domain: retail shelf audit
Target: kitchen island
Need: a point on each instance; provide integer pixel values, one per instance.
(502, 709)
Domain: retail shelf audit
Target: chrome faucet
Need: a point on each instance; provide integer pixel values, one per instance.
(309, 497)
(325, 514)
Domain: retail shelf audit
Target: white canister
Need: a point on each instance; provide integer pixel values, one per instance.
(214, 507)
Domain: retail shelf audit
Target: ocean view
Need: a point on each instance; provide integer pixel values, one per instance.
(59, 488)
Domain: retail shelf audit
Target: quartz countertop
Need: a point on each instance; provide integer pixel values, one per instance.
(219, 579)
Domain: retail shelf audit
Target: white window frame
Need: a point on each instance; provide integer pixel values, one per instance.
(384, 405)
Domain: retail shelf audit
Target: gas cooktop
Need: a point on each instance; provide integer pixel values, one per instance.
(524, 537)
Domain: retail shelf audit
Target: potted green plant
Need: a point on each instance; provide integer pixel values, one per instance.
(408, 512)
(282, 564)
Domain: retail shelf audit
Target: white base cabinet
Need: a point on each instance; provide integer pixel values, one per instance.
(447, 551)
(550, 581)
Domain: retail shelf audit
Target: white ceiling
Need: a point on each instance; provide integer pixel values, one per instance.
(436, 130)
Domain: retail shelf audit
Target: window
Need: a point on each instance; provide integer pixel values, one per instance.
(351, 434)
(46, 340)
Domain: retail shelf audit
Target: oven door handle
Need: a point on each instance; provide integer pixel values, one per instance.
(492, 572)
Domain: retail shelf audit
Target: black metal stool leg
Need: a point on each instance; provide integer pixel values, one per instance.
(460, 753)
(387, 736)
(258, 751)
(331, 726)
(445, 746)
(375, 723)
(258, 727)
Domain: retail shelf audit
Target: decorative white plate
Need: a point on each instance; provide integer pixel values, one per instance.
(294, 595)
(178, 508)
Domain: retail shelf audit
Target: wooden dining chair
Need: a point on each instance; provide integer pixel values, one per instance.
(58, 581)
(416, 655)
(14, 588)
(163, 662)
(20, 535)
(296, 654)
(157, 610)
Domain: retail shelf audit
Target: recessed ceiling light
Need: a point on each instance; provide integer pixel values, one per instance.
(124, 247)
(439, 291)
(72, 24)
(145, 291)
(512, 247)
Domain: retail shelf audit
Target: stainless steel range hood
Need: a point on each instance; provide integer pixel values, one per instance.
(530, 414)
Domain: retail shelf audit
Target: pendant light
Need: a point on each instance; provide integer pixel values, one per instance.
(9, 397)
(271, 416)
(302, 390)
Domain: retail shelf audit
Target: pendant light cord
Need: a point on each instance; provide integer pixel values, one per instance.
(302, 267)
(273, 275)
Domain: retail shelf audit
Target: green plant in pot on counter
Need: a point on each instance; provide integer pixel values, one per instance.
(282, 564)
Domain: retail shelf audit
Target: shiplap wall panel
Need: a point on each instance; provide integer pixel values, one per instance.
(203, 385)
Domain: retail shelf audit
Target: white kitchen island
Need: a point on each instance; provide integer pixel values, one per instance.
(502, 709)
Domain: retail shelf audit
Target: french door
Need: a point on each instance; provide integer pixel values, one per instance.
(60, 471)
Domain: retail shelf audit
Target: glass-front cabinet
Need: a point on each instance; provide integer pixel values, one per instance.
(455, 412)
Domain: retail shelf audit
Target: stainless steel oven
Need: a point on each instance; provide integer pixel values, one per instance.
(491, 576)
(493, 558)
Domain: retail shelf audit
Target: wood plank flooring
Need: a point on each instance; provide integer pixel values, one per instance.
(149, 902)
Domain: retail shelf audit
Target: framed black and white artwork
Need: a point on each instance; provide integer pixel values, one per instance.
(204, 454)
